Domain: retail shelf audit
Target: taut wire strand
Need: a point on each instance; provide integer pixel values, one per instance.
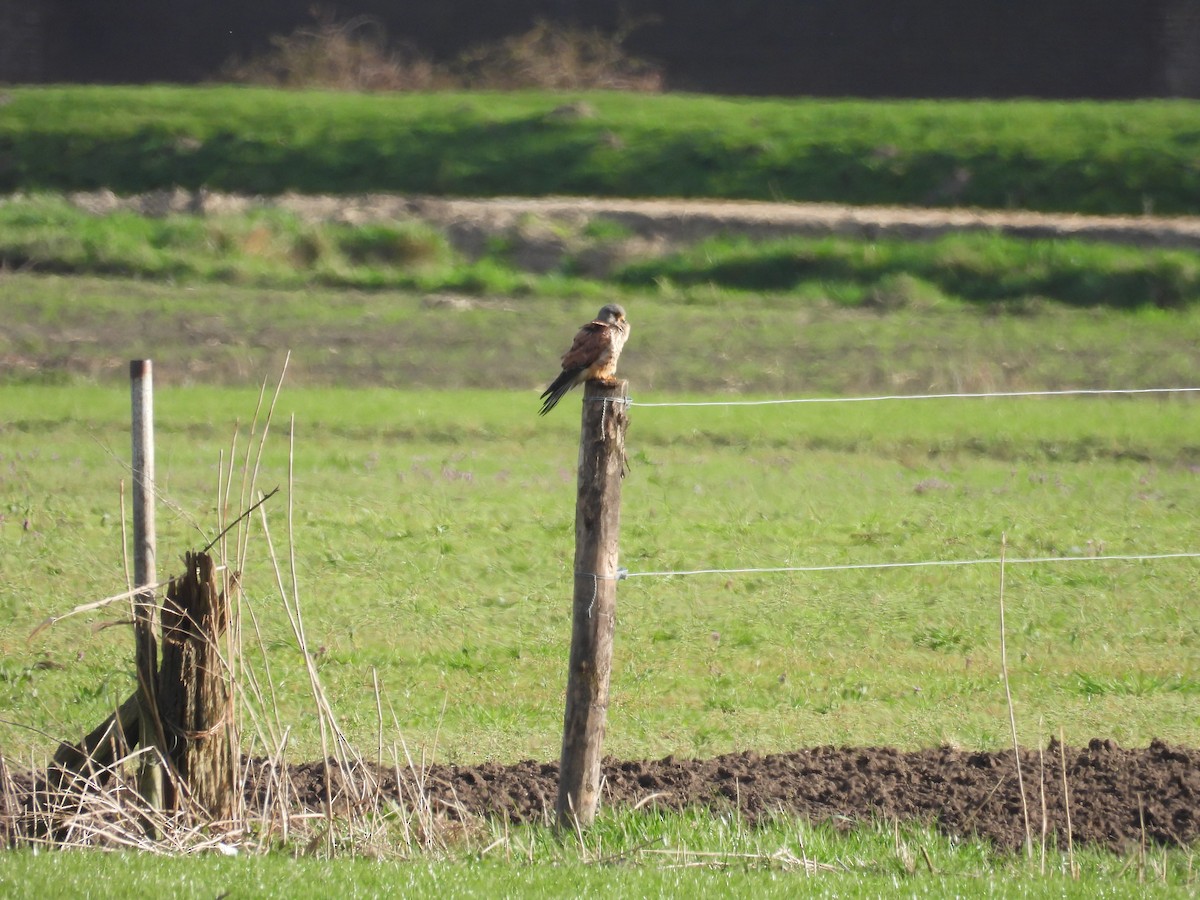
(1070, 392)
(1132, 557)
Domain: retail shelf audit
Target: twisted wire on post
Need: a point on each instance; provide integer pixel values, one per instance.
(606, 401)
(596, 584)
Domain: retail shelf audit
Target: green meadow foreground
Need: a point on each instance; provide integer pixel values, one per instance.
(433, 539)
(630, 855)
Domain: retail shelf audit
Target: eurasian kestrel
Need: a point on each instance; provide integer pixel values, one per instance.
(593, 354)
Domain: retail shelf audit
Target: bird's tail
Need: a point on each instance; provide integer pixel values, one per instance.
(563, 383)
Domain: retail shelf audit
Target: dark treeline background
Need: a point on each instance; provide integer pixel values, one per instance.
(866, 48)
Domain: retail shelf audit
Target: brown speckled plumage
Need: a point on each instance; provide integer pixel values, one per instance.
(593, 355)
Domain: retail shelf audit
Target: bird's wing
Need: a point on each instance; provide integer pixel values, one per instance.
(588, 348)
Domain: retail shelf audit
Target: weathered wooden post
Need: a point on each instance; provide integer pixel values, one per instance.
(194, 691)
(150, 774)
(597, 527)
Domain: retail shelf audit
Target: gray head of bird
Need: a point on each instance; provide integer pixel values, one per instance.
(612, 313)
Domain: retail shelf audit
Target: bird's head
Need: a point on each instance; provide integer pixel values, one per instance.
(613, 314)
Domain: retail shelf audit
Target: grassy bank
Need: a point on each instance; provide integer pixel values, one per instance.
(1082, 157)
(600, 258)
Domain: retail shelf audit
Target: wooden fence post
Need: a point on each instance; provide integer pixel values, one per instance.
(142, 391)
(597, 527)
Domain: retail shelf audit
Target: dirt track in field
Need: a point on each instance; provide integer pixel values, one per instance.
(1117, 797)
(669, 220)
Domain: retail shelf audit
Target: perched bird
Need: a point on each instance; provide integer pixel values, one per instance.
(593, 354)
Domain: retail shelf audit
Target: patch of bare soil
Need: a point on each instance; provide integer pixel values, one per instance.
(1117, 798)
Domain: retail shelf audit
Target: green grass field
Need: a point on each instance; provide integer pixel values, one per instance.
(433, 523)
(433, 541)
(433, 510)
(434, 513)
(433, 534)
(1083, 157)
(434, 546)
(62, 329)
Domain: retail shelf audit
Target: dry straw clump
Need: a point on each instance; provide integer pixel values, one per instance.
(346, 56)
(555, 57)
(356, 55)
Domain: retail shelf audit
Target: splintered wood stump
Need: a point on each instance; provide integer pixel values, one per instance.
(193, 692)
(597, 523)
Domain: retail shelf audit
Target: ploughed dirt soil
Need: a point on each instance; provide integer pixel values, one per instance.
(1116, 797)
(1101, 795)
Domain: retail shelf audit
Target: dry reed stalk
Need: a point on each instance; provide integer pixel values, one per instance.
(1042, 797)
(378, 717)
(1141, 841)
(102, 809)
(422, 805)
(92, 607)
(250, 473)
(717, 859)
(298, 633)
(1012, 718)
(399, 803)
(359, 787)
(233, 639)
(298, 628)
(1062, 754)
(242, 674)
(249, 480)
(8, 806)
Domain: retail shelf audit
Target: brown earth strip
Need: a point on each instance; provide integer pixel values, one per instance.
(670, 220)
(1118, 797)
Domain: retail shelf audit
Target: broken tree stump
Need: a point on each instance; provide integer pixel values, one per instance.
(194, 693)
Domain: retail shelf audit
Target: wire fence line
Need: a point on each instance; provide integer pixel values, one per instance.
(1068, 392)
(624, 574)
